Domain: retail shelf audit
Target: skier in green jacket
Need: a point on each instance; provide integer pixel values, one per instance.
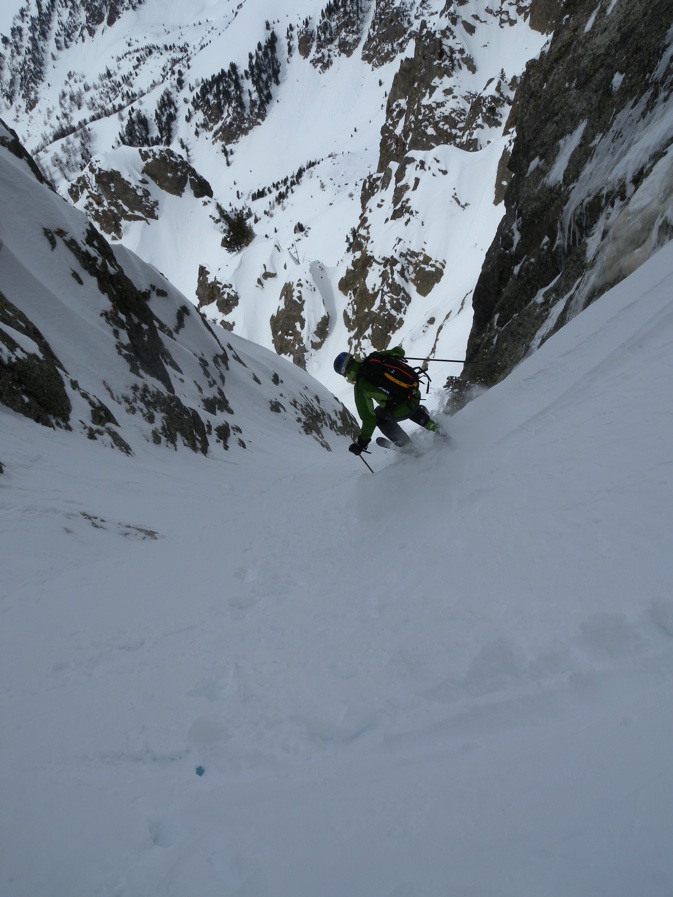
(387, 413)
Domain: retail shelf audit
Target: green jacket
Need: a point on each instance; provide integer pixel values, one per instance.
(366, 394)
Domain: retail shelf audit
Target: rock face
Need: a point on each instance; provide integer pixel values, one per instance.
(210, 291)
(110, 200)
(31, 377)
(389, 33)
(592, 179)
(426, 109)
(288, 324)
(173, 173)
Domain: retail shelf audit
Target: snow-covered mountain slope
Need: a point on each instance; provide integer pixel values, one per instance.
(363, 141)
(280, 675)
(98, 342)
(264, 670)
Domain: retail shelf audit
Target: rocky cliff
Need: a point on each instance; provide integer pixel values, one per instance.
(591, 191)
(440, 98)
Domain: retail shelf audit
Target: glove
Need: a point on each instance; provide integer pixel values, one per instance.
(358, 447)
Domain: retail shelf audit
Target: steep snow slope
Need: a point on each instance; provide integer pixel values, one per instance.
(286, 676)
(100, 342)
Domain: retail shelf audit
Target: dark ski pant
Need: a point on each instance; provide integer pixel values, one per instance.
(386, 421)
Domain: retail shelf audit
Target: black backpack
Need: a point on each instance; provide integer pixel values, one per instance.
(392, 375)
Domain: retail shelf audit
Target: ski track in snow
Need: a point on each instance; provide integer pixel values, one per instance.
(284, 676)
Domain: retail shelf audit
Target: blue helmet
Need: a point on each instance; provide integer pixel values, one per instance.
(342, 362)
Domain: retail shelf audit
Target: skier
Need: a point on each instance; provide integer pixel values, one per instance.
(391, 408)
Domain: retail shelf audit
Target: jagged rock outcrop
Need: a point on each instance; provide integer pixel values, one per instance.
(389, 33)
(211, 291)
(379, 312)
(418, 116)
(546, 15)
(173, 174)
(31, 376)
(294, 327)
(592, 182)
(288, 324)
(9, 139)
(109, 199)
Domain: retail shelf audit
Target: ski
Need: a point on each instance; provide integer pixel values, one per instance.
(386, 443)
(409, 449)
(413, 449)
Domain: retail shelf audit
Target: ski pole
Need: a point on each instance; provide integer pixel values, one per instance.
(450, 360)
(364, 461)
